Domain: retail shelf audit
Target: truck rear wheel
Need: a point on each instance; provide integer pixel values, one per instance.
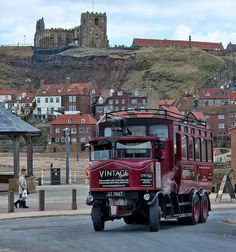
(195, 210)
(204, 209)
(97, 217)
(154, 216)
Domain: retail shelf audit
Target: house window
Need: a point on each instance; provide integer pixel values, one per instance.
(117, 108)
(73, 130)
(100, 109)
(221, 126)
(96, 21)
(39, 111)
(87, 130)
(120, 93)
(110, 102)
(51, 99)
(232, 123)
(144, 101)
(70, 98)
(51, 110)
(58, 130)
(83, 140)
(133, 101)
(38, 100)
(123, 108)
(117, 101)
(46, 99)
(207, 93)
(123, 101)
(73, 140)
(221, 117)
(232, 114)
(81, 130)
(57, 99)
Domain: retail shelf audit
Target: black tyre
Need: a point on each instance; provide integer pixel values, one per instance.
(204, 209)
(98, 220)
(129, 219)
(195, 210)
(154, 215)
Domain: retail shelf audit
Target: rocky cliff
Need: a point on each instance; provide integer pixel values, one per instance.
(169, 71)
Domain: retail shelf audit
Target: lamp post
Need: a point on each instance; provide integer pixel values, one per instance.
(67, 131)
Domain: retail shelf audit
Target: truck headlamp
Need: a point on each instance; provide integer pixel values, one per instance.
(146, 197)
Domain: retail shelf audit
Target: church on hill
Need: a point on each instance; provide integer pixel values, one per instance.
(92, 32)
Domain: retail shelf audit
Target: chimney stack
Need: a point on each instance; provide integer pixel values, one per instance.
(189, 41)
(41, 82)
(67, 80)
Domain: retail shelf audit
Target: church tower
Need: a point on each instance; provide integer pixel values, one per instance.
(93, 30)
(40, 26)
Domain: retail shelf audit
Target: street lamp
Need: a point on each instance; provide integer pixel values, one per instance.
(67, 132)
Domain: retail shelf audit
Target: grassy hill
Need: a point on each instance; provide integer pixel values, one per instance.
(169, 71)
(172, 70)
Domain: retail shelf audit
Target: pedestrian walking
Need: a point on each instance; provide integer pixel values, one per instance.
(22, 189)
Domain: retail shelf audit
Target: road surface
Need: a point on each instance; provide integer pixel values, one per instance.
(75, 233)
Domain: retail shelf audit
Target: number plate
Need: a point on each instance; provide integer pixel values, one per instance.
(115, 194)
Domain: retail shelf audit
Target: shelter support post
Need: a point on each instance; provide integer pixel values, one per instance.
(16, 142)
(29, 156)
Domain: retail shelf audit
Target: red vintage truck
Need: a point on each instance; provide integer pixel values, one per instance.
(148, 165)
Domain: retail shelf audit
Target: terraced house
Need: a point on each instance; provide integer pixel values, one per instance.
(48, 100)
(81, 128)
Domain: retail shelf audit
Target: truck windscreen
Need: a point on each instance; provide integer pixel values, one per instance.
(134, 149)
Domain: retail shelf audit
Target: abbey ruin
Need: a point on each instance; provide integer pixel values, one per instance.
(92, 32)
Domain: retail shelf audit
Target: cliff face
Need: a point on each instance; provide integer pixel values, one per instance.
(169, 71)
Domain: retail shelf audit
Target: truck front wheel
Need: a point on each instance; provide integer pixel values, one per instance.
(97, 217)
(154, 217)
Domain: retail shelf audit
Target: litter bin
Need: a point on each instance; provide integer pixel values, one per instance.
(39, 181)
(55, 176)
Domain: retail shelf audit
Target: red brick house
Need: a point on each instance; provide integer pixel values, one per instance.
(76, 97)
(215, 97)
(218, 106)
(81, 128)
(164, 43)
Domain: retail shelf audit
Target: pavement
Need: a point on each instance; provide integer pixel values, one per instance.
(58, 201)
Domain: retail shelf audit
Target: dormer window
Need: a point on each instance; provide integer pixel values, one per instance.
(83, 121)
(207, 93)
(120, 93)
(44, 92)
(69, 120)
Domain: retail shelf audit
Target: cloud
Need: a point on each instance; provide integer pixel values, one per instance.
(182, 32)
(208, 20)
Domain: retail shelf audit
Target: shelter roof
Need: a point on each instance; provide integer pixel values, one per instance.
(12, 125)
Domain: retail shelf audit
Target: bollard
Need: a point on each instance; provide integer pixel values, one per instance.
(74, 205)
(41, 200)
(10, 202)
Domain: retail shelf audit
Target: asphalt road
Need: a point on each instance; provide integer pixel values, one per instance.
(76, 233)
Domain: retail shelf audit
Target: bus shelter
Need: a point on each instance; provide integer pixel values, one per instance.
(15, 129)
